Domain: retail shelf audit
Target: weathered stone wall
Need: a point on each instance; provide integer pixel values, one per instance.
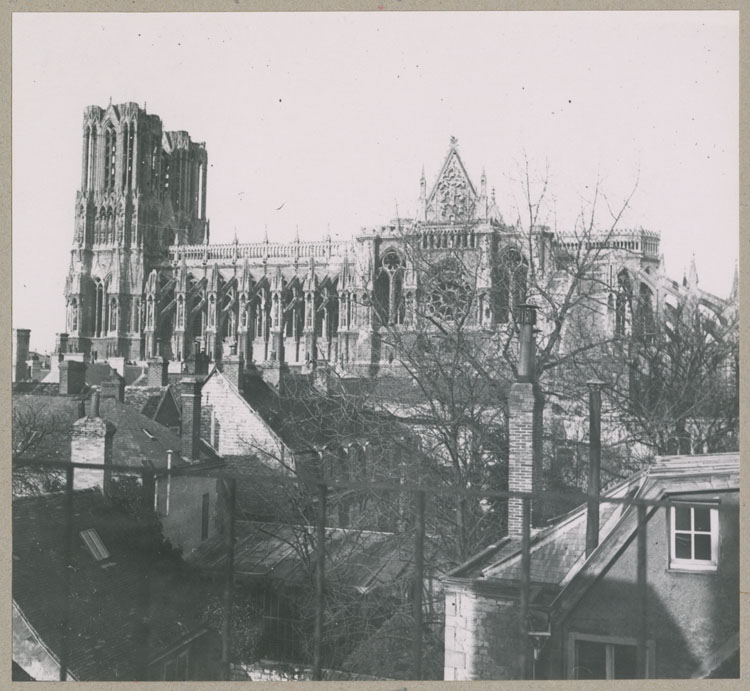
(238, 430)
(481, 639)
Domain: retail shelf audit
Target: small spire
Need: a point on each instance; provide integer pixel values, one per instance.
(205, 235)
(265, 233)
(454, 142)
(493, 195)
(484, 175)
(693, 272)
(735, 291)
(422, 177)
(236, 241)
(296, 233)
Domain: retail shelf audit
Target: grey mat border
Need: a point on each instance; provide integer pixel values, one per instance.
(10, 6)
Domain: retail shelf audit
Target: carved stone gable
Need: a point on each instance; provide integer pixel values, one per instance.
(453, 197)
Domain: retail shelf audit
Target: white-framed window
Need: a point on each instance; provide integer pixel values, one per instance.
(693, 537)
(592, 656)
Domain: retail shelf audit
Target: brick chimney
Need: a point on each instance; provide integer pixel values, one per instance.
(158, 372)
(91, 442)
(114, 387)
(190, 392)
(525, 408)
(233, 368)
(21, 346)
(72, 377)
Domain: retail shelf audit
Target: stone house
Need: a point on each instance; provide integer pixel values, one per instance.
(599, 598)
(584, 610)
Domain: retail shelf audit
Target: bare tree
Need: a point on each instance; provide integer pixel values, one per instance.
(40, 434)
(449, 319)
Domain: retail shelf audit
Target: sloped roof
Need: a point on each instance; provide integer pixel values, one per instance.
(558, 552)
(138, 438)
(109, 598)
(358, 559)
(304, 418)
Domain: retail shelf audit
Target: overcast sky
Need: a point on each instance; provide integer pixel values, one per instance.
(332, 116)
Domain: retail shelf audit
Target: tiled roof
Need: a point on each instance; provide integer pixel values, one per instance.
(109, 598)
(138, 438)
(142, 396)
(39, 388)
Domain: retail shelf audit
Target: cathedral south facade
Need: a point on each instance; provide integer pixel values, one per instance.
(146, 282)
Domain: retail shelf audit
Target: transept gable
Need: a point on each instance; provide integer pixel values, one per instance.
(453, 196)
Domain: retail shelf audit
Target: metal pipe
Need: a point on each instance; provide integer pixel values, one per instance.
(527, 344)
(230, 487)
(418, 580)
(65, 645)
(642, 595)
(317, 674)
(595, 463)
(523, 613)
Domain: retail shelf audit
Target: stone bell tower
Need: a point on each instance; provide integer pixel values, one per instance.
(142, 189)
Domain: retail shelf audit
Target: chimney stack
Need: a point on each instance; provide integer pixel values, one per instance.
(595, 463)
(525, 410)
(72, 377)
(94, 408)
(62, 343)
(114, 387)
(91, 442)
(190, 392)
(21, 343)
(233, 367)
(158, 372)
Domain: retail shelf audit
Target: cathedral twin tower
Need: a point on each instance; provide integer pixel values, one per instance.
(142, 190)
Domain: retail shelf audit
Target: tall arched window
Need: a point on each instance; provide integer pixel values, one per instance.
(200, 190)
(389, 299)
(98, 308)
(110, 157)
(646, 323)
(623, 303)
(113, 314)
(508, 284)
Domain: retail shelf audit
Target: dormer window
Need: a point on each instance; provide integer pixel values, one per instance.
(694, 537)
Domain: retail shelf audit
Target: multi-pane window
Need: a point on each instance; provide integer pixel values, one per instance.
(694, 537)
(595, 660)
(606, 657)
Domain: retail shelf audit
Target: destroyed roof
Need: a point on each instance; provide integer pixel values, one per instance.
(109, 599)
(359, 559)
(304, 418)
(558, 552)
